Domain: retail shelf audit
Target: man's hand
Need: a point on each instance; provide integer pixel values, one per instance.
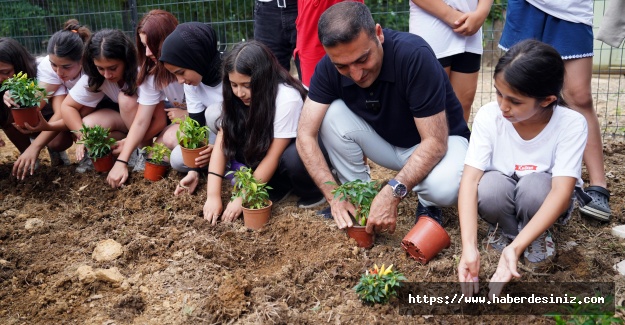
(341, 211)
(383, 213)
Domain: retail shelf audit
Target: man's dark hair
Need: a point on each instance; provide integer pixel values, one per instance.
(343, 22)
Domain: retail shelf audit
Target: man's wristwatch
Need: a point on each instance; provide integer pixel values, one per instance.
(399, 190)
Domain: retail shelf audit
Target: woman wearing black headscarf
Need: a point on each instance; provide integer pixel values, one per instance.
(191, 54)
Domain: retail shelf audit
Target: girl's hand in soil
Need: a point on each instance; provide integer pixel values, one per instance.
(383, 213)
(340, 212)
(205, 157)
(188, 183)
(505, 271)
(8, 101)
(233, 210)
(174, 113)
(469, 271)
(212, 209)
(25, 163)
(118, 175)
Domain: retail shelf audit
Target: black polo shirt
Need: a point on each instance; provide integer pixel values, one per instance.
(412, 83)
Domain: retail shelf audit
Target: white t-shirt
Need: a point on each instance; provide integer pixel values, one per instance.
(150, 95)
(557, 149)
(575, 11)
(443, 40)
(289, 105)
(201, 96)
(83, 96)
(46, 74)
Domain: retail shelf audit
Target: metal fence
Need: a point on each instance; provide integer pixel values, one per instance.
(32, 22)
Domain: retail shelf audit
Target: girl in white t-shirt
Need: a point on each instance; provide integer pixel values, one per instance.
(190, 53)
(261, 108)
(110, 70)
(156, 85)
(523, 166)
(58, 72)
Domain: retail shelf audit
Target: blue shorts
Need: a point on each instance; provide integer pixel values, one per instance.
(524, 21)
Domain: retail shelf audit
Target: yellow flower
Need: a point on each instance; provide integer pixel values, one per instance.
(387, 271)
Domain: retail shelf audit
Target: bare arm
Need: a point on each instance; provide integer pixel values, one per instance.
(556, 202)
(440, 10)
(470, 22)
(70, 111)
(213, 205)
(469, 266)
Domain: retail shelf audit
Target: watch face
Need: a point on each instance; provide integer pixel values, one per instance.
(400, 190)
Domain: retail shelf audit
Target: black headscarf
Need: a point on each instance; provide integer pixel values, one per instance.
(194, 46)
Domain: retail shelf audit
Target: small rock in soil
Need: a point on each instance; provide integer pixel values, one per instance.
(107, 250)
(33, 223)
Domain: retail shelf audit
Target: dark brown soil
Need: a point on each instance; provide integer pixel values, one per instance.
(179, 270)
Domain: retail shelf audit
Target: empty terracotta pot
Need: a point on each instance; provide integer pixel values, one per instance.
(426, 239)
(363, 239)
(104, 164)
(154, 172)
(28, 115)
(189, 155)
(256, 218)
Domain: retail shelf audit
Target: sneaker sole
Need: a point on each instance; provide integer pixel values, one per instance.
(312, 205)
(595, 214)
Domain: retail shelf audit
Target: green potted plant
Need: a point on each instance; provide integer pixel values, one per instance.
(26, 93)
(360, 194)
(193, 138)
(256, 203)
(155, 166)
(379, 285)
(98, 144)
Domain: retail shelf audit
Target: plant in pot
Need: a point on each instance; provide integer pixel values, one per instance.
(193, 138)
(156, 167)
(26, 93)
(360, 194)
(255, 198)
(379, 285)
(98, 144)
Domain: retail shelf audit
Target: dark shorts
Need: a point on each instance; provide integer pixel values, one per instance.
(462, 62)
(108, 103)
(524, 21)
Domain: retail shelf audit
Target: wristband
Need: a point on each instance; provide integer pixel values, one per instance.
(216, 174)
(121, 161)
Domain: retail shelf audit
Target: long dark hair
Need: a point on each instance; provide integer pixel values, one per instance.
(248, 132)
(69, 41)
(111, 44)
(14, 53)
(156, 25)
(534, 69)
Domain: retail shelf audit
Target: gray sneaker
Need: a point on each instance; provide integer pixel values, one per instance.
(139, 164)
(599, 207)
(495, 240)
(84, 165)
(58, 158)
(540, 252)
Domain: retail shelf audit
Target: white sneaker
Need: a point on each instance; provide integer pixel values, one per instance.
(134, 156)
(58, 158)
(139, 165)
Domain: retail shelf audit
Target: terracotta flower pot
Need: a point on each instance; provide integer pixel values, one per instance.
(256, 218)
(189, 155)
(104, 164)
(155, 172)
(363, 239)
(28, 115)
(426, 239)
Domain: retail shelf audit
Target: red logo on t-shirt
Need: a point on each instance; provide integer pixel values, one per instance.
(521, 168)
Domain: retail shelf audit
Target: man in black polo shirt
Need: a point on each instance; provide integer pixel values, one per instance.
(382, 94)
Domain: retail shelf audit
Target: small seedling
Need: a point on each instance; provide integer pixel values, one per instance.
(97, 141)
(158, 152)
(360, 194)
(253, 193)
(191, 134)
(24, 91)
(379, 285)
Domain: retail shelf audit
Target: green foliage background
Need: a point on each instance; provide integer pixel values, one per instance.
(32, 22)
